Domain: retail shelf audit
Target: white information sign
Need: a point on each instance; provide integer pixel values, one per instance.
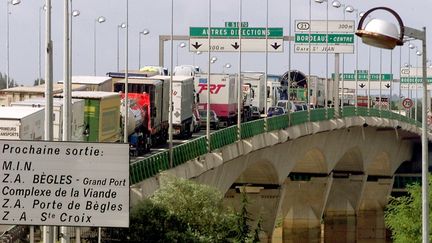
(363, 85)
(334, 26)
(320, 48)
(233, 45)
(64, 183)
(418, 86)
(415, 72)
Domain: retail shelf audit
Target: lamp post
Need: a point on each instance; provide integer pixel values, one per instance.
(120, 26)
(326, 77)
(181, 45)
(418, 53)
(351, 9)
(10, 2)
(410, 46)
(210, 61)
(41, 9)
(383, 34)
(144, 32)
(99, 20)
(74, 13)
(337, 4)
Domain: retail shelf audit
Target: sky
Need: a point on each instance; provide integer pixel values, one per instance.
(156, 17)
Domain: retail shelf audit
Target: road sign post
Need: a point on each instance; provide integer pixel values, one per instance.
(322, 37)
(407, 103)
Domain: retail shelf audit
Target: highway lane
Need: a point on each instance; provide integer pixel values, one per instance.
(160, 148)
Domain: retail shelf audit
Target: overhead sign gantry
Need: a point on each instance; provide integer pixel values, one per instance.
(227, 39)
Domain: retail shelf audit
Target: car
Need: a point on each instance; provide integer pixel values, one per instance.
(214, 120)
(255, 113)
(275, 110)
(290, 105)
(300, 106)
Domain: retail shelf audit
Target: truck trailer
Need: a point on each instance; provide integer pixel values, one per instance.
(77, 121)
(147, 111)
(101, 115)
(22, 123)
(183, 103)
(258, 86)
(223, 96)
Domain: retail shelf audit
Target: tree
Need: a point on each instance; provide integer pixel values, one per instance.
(184, 211)
(151, 223)
(38, 81)
(403, 215)
(3, 81)
(199, 205)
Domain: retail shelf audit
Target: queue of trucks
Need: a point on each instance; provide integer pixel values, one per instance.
(98, 112)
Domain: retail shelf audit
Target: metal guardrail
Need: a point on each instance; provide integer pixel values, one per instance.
(152, 165)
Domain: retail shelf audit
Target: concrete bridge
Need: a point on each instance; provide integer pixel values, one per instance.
(299, 170)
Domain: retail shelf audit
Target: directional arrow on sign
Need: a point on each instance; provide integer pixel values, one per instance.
(196, 45)
(275, 45)
(236, 45)
(233, 45)
(362, 85)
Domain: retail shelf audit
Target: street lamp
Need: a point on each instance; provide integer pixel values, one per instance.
(385, 35)
(181, 45)
(410, 47)
(326, 77)
(120, 26)
(351, 9)
(42, 8)
(144, 32)
(13, 2)
(337, 4)
(418, 53)
(213, 59)
(227, 65)
(99, 20)
(74, 13)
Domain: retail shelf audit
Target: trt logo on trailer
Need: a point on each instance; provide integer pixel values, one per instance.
(214, 88)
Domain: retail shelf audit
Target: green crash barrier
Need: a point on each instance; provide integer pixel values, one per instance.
(152, 165)
(318, 115)
(223, 137)
(252, 128)
(299, 117)
(277, 122)
(348, 111)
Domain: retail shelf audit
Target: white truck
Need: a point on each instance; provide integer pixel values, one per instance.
(273, 89)
(258, 86)
(247, 102)
(223, 96)
(183, 102)
(317, 88)
(22, 123)
(77, 122)
(186, 70)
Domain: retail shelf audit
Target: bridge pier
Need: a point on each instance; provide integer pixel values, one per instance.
(370, 213)
(340, 211)
(302, 207)
(262, 203)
